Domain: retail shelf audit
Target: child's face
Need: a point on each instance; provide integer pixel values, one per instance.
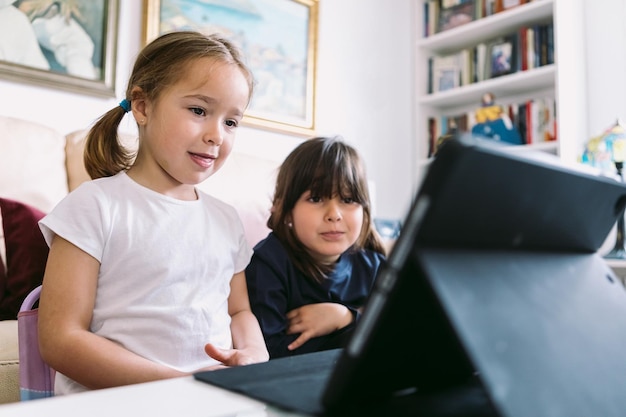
(326, 227)
(190, 129)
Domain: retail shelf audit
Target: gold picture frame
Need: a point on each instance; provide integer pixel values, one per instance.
(65, 44)
(279, 41)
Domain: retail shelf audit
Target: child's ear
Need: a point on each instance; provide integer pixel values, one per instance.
(139, 105)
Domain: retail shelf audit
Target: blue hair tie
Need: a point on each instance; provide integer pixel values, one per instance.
(125, 104)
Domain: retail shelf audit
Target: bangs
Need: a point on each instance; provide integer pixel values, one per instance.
(323, 167)
(335, 177)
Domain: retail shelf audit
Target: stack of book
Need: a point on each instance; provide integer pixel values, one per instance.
(527, 48)
(442, 15)
(534, 120)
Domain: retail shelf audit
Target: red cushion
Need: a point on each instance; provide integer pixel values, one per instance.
(3, 273)
(26, 255)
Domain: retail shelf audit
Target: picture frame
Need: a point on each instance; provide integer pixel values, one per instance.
(79, 58)
(502, 57)
(278, 39)
(455, 14)
(446, 73)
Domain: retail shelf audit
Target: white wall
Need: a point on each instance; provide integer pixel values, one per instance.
(605, 36)
(364, 92)
(591, 48)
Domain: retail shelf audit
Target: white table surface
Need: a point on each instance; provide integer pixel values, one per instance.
(178, 397)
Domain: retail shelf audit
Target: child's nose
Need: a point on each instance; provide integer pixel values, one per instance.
(214, 133)
(333, 213)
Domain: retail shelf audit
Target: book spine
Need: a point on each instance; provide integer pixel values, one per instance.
(523, 42)
(529, 122)
(530, 47)
(550, 39)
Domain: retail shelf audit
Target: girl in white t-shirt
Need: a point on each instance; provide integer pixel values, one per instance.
(145, 276)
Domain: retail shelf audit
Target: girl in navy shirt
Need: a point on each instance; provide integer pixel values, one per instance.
(310, 277)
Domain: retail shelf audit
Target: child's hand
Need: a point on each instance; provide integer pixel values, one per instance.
(235, 357)
(314, 320)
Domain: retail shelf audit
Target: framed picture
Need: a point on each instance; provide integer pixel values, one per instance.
(446, 72)
(454, 14)
(65, 44)
(279, 41)
(502, 57)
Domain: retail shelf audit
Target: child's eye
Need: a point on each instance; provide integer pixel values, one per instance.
(315, 199)
(231, 123)
(198, 111)
(348, 200)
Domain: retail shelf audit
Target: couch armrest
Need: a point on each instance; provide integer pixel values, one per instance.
(9, 362)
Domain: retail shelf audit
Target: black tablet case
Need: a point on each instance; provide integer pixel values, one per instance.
(494, 302)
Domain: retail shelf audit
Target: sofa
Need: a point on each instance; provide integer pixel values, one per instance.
(39, 166)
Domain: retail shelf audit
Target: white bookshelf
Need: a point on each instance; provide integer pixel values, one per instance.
(587, 84)
(545, 81)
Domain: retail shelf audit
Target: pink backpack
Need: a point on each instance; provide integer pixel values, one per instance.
(36, 377)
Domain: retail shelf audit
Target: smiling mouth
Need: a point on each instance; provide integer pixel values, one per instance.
(203, 160)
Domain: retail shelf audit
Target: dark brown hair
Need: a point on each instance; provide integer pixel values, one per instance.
(158, 66)
(325, 166)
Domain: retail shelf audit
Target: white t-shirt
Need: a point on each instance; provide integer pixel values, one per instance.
(165, 268)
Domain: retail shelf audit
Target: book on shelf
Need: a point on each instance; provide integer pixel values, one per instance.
(543, 120)
(502, 5)
(526, 123)
(535, 119)
(537, 45)
(442, 15)
(445, 127)
(527, 48)
(522, 48)
(431, 17)
(483, 8)
(466, 65)
(480, 62)
(550, 43)
(532, 47)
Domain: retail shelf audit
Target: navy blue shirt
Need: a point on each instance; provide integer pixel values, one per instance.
(276, 287)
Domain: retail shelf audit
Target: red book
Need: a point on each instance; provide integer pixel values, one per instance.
(529, 122)
(523, 40)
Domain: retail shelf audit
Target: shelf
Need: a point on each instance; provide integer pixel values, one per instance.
(616, 263)
(544, 147)
(548, 147)
(507, 85)
(619, 268)
(487, 28)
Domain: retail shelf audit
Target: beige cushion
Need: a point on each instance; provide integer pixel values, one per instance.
(9, 362)
(32, 163)
(74, 149)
